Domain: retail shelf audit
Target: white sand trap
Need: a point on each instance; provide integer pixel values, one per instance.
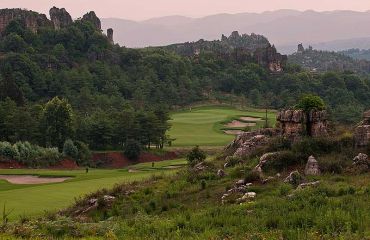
(233, 132)
(29, 179)
(251, 119)
(239, 124)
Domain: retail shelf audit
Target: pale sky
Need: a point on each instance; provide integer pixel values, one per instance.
(145, 9)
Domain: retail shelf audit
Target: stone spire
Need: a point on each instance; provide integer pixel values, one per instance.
(60, 18)
(110, 35)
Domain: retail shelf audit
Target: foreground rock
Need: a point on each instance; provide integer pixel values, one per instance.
(361, 163)
(312, 167)
(294, 178)
(267, 157)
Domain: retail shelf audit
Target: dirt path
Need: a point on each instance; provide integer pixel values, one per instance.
(29, 179)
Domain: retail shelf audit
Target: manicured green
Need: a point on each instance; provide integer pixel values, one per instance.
(203, 125)
(33, 200)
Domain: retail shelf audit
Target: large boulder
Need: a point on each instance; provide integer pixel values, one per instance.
(361, 163)
(294, 178)
(312, 167)
(295, 123)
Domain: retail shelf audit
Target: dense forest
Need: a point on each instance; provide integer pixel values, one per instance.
(107, 95)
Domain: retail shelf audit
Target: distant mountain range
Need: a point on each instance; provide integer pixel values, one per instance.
(333, 30)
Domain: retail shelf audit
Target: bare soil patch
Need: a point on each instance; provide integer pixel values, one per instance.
(29, 179)
(239, 124)
(251, 119)
(233, 132)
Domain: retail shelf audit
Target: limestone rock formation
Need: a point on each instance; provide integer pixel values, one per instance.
(110, 35)
(247, 142)
(312, 167)
(91, 17)
(264, 159)
(300, 48)
(361, 163)
(362, 132)
(271, 58)
(295, 123)
(60, 17)
(32, 20)
(294, 178)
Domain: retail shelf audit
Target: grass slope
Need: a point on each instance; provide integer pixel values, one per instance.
(203, 125)
(33, 200)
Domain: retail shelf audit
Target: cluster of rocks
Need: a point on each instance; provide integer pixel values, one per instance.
(239, 192)
(93, 203)
(59, 18)
(362, 132)
(361, 163)
(295, 123)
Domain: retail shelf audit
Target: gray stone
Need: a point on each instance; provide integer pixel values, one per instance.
(312, 167)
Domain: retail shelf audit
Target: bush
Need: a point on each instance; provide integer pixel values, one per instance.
(8, 151)
(310, 102)
(252, 177)
(84, 154)
(132, 149)
(195, 156)
(70, 150)
(314, 146)
(281, 161)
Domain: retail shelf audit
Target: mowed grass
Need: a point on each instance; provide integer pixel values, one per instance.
(203, 125)
(33, 200)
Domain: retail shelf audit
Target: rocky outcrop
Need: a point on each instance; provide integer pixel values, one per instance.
(247, 142)
(361, 163)
(270, 58)
(362, 131)
(31, 20)
(91, 17)
(60, 18)
(110, 35)
(295, 123)
(312, 167)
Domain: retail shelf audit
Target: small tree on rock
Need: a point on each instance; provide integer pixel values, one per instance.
(195, 156)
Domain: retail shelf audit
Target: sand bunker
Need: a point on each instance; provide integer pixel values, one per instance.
(233, 132)
(29, 179)
(251, 119)
(239, 124)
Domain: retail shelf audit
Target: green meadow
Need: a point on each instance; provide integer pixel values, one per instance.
(204, 126)
(33, 200)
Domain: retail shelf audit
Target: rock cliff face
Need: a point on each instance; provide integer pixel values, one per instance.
(237, 48)
(91, 17)
(270, 58)
(32, 20)
(295, 123)
(60, 18)
(362, 132)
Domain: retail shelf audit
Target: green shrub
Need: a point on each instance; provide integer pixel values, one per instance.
(132, 149)
(281, 161)
(84, 154)
(195, 156)
(8, 151)
(70, 149)
(314, 146)
(252, 176)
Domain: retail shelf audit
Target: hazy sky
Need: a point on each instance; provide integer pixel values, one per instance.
(144, 9)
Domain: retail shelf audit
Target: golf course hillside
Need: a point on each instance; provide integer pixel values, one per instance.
(27, 197)
(214, 125)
